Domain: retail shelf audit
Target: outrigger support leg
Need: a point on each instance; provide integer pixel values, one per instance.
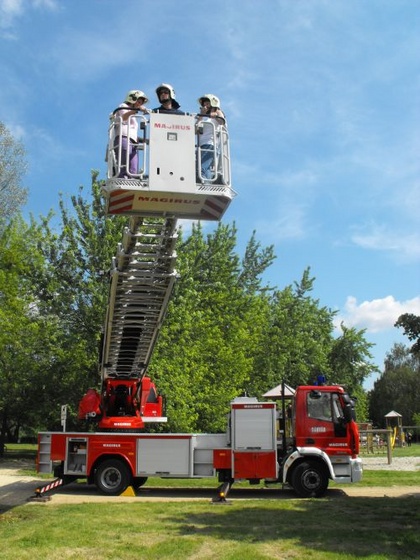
(223, 491)
(42, 490)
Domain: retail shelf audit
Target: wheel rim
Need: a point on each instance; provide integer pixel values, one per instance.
(111, 478)
(311, 480)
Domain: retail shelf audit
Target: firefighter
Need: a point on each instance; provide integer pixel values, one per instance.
(127, 129)
(212, 117)
(167, 99)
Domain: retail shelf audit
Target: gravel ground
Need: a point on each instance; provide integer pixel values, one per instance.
(380, 462)
(15, 489)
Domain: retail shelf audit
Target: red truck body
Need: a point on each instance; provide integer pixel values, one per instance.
(316, 443)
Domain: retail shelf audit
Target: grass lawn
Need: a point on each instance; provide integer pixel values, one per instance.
(319, 529)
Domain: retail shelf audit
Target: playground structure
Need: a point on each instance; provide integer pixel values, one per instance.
(376, 441)
(394, 423)
(383, 441)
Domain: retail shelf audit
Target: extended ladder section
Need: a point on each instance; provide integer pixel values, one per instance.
(142, 279)
(155, 176)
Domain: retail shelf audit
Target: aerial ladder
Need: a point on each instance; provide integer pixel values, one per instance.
(167, 185)
(323, 442)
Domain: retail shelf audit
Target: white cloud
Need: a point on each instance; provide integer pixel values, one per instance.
(17, 131)
(289, 224)
(87, 53)
(408, 203)
(97, 51)
(10, 10)
(403, 246)
(49, 4)
(376, 315)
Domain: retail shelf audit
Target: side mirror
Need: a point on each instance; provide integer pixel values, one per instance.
(349, 413)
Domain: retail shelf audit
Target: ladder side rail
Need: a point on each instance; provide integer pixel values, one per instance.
(116, 280)
(170, 229)
(109, 318)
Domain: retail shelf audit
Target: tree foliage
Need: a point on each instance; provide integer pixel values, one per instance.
(398, 388)
(411, 325)
(299, 345)
(225, 333)
(25, 335)
(350, 362)
(205, 353)
(13, 167)
(54, 291)
(416, 422)
(73, 282)
(296, 339)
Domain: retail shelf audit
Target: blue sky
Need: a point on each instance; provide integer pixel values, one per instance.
(322, 100)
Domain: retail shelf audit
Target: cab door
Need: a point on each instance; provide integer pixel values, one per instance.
(321, 423)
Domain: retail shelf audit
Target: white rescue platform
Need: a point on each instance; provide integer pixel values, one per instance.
(167, 179)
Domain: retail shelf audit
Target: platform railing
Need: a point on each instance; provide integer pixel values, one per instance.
(121, 148)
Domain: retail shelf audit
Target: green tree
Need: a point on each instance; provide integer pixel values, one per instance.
(54, 292)
(73, 285)
(398, 387)
(24, 357)
(350, 365)
(254, 263)
(411, 325)
(297, 338)
(205, 352)
(13, 167)
(416, 422)
(225, 331)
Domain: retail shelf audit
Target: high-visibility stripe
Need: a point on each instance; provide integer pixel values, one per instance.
(213, 207)
(48, 487)
(120, 202)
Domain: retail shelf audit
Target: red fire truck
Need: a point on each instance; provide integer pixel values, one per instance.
(318, 442)
(303, 445)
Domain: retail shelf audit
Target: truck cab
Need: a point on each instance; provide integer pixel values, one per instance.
(325, 441)
(324, 419)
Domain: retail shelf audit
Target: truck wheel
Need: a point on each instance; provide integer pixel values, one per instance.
(139, 481)
(309, 480)
(112, 477)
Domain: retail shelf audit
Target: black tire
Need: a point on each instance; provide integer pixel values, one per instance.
(139, 481)
(112, 477)
(309, 480)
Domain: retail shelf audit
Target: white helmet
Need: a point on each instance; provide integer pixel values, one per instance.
(169, 88)
(134, 95)
(214, 101)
